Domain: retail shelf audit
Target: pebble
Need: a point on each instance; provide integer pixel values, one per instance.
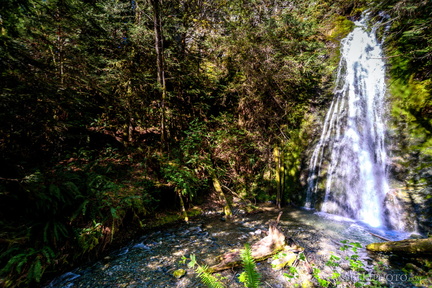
(141, 246)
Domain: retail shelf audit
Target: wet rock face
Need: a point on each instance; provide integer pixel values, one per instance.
(153, 259)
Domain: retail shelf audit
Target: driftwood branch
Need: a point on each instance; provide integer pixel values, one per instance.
(278, 218)
(380, 237)
(273, 243)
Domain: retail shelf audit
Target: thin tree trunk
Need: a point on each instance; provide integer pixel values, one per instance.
(130, 130)
(160, 65)
(183, 208)
(217, 186)
(60, 46)
(278, 176)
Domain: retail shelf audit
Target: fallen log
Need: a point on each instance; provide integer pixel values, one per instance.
(273, 243)
(407, 247)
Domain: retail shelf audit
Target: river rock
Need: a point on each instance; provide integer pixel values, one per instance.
(179, 273)
(287, 259)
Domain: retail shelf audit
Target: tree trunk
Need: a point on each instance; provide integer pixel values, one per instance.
(60, 48)
(278, 176)
(131, 129)
(160, 65)
(183, 208)
(417, 247)
(217, 186)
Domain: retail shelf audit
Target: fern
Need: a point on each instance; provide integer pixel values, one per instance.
(48, 253)
(250, 277)
(35, 271)
(30, 263)
(16, 263)
(206, 278)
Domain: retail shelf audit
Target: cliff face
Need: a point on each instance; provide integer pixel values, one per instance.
(410, 140)
(409, 53)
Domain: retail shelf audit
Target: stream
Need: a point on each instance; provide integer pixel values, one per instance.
(149, 261)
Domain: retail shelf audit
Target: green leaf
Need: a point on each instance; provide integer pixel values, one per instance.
(250, 277)
(335, 275)
(35, 271)
(207, 278)
(356, 244)
(48, 253)
(114, 212)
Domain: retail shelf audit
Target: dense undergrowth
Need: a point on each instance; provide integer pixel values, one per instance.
(65, 215)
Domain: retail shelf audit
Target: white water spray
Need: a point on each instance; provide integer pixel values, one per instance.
(350, 155)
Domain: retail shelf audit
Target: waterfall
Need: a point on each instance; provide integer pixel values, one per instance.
(347, 170)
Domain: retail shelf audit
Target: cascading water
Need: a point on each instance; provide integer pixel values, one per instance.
(348, 166)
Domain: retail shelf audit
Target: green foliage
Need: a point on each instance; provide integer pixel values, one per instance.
(322, 282)
(239, 158)
(70, 207)
(249, 277)
(89, 237)
(292, 273)
(351, 264)
(184, 178)
(422, 279)
(206, 278)
(343, 27)
(409, 48)
(409, 37)
(25, 267)
(189, 172)
(280, 49)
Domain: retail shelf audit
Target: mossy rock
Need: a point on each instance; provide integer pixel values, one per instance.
(342, 26)
(179, 273)
(195, 211)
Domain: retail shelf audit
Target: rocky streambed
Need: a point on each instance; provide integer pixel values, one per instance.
(151, 260)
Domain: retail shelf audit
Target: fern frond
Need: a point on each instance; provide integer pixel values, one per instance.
(250, 277)
(15, 263)
(48, 253)
(208, 279)
(36, 270)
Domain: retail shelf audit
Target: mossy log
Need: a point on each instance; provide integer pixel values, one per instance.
(408, 247)
(273, 243)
